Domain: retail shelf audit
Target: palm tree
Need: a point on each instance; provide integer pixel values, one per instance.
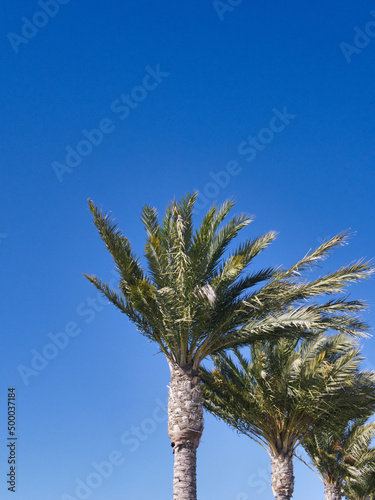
(194, 302)
(341, 453)
(286, 388)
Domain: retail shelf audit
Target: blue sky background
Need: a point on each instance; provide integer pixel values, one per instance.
(224, 74)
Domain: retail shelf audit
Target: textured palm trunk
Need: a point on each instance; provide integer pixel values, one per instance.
(185, 426)
(282, 476)
(332, 491)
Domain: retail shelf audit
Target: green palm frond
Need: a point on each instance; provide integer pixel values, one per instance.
(314, 257)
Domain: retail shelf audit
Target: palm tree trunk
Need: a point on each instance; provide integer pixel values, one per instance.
(332, 491)
(185, 426)
(282, 476)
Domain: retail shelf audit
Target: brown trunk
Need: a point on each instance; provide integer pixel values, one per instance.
(282, 476)
(185, 426)
(332, 491)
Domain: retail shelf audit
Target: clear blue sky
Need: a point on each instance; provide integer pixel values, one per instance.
(259, 101)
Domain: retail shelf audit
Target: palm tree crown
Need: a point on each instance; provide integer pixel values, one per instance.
(286, 386)
(194, 303)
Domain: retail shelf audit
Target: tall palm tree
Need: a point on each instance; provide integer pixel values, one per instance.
(342, 455)
(287, 387)
(194, 302)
